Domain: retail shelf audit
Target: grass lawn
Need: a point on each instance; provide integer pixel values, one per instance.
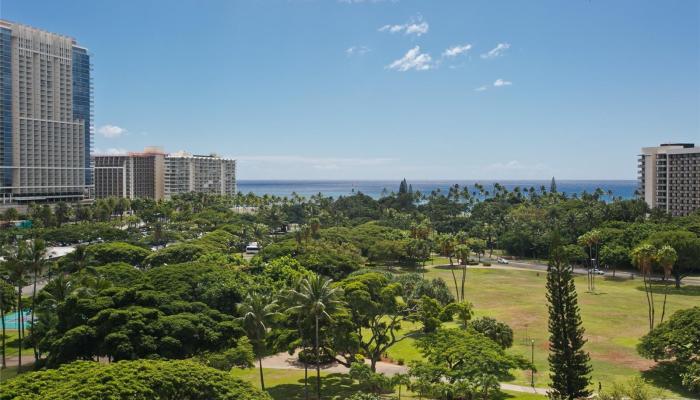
(615, 317)
(9, 372)
(284, 384)
(11, 343)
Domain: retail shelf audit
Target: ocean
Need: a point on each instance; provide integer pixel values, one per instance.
(375, 189)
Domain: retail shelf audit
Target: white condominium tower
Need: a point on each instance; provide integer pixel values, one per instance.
(185, 172)
(669, 177)
(45, 116)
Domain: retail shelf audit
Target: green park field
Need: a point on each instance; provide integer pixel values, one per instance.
(614, 316)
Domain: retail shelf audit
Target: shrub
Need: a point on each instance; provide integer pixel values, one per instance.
(495, 330)
(486, 264)
(633, 389)
(141, 379)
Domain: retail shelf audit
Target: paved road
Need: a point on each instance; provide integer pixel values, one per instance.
(51, 253)
(286, 361)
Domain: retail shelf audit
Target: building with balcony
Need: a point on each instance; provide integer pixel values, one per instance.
(185, 172)
(45, 116)
(132, 175)
(669, 177)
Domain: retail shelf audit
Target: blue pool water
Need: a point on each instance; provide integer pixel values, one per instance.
(12, 320)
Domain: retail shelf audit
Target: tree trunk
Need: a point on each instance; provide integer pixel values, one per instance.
(454, 278)
(20, 315)
(663, 310)
(36, 354)
(678, 280)
(2, 318)
(651, 296)
(306, 381)
(464, 278)
(318, 365)
(646, 291)
(262, 380)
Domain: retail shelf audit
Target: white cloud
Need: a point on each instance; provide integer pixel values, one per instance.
(500, 82)
(111, 131)
(413, 59)
(416, 26)
(110, 152)
(357, 50)
(456, 50)
(496, 51)
(481, 88)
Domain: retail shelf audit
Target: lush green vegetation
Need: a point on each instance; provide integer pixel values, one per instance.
(355, 281)
(145, 379)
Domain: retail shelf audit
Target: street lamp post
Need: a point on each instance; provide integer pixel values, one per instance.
(532, 363)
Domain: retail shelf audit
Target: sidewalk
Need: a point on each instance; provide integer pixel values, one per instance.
(286, 361)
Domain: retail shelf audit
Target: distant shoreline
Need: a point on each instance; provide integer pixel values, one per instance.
(377, 188)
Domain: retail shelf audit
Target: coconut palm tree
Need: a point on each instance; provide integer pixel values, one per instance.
(15, 270)
(643, 256)
(317, 297)
(35, 258)
(7, 301)
(666, 256)
(258, 311)
(462, 251)
(446, 243)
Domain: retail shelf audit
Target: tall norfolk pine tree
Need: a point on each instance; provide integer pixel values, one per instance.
(569, 364)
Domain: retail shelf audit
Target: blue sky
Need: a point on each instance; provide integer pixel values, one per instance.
(326, 89)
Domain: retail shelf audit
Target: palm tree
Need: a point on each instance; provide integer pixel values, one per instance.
(15, 271)
(257, 313)
(446, 244)
(7, 301)
(77, 261)
(35, 258)
(317, 297)
(643, 256)
(462, 251)
(666, 257)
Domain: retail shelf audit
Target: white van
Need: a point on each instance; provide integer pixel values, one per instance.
(252, 248)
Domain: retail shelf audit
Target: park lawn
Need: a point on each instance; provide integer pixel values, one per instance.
(11, 343)
(288, 384)
(8, 373)
(615, 317)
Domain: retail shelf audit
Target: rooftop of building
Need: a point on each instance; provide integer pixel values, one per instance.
(10, 25)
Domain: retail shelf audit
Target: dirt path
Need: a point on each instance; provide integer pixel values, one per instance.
(286, 361)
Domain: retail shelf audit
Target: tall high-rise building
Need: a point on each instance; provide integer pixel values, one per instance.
(45, 116)
(185, 172)
(669, 177)
(132, 175)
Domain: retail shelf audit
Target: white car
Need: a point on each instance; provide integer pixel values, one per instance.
(502, 261)
(598, 271)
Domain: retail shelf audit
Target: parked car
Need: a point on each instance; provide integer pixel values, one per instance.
(502, 261)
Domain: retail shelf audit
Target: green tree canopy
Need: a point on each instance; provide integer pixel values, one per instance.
(142, 379)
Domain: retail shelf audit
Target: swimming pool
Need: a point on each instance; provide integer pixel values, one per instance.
(12, 320)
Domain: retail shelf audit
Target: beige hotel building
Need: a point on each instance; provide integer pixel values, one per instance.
(669, 177)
